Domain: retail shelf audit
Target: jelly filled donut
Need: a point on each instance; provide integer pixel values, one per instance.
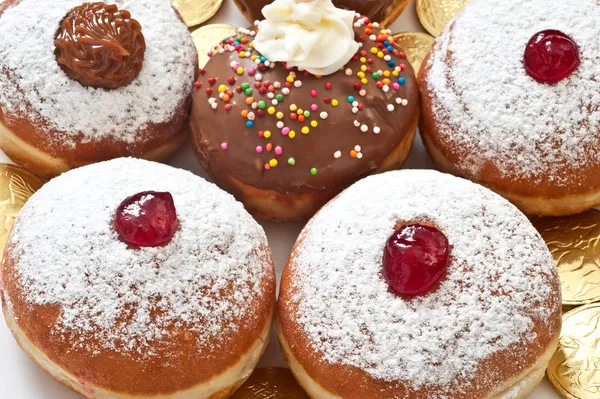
(129, 278)
(86, 82)
(384, 11)
(286, 117)
(421, 285)
(509, 100)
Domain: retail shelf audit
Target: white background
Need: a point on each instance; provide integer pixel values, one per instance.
(20, 378)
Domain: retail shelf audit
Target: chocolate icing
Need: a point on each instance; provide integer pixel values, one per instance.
(100, 46)
(376, 10)
(214, 127)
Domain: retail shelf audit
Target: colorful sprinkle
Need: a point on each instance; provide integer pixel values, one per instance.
(224, 146)
(291, 161)
(278, 150)
(313, 171)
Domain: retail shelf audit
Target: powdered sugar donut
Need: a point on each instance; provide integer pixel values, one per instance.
(188, 319)
(526, 129)
(485, 328)
(118, 85)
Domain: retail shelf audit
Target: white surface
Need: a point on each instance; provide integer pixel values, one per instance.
(20, 378)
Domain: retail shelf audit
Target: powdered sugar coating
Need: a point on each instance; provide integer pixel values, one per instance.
(32, 84)
(501, 279)
(487, 106)
(67, 253)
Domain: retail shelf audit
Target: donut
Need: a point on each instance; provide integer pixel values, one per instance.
(385, 11)
(129, 278)
(509, 101)
(87, 82)
(418, 284)
(301, 137)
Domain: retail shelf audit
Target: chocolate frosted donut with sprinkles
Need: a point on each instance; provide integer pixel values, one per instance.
(132, 279)
(415, 284)
(510, 100)
(83, 82)
(288, 114)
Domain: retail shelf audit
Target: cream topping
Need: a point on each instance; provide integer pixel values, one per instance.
(311, 35)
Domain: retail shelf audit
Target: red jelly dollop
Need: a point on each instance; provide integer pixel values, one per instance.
(414, 259)
(147, 219)
(551, 56)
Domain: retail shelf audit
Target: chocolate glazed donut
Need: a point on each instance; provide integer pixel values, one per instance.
(286, 160)
(385, 11)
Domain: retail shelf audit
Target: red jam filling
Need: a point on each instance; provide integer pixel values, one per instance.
(551, 56)
(147, 219)
(415, 258)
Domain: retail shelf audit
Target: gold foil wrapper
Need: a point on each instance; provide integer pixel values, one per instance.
(416, 45)
(435, 14)
(16, 186)
(574, 370)
(194, 12)
(574, 242)
(208, 37)
(271, 383)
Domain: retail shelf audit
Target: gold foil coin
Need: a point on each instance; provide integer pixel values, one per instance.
(16, 186)
(574, 242)
(416, 45)
(574, 370)
(435, 14)
(208, 37)
(194, 12)
(271, 383)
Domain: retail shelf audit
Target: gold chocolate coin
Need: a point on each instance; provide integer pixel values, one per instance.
(16, 186)
(574, 370)
(574, 242)
(194, 12)
(270, 383)
(208, 37)
(416, 45)
(435, 14)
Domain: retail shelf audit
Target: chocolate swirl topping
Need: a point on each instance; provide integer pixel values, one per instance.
(99, 45)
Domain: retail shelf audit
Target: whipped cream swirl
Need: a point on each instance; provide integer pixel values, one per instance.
(311, 35)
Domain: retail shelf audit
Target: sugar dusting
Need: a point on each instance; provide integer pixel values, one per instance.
(32, 84)
(488, 107)
(497, 284)
(204, 280)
